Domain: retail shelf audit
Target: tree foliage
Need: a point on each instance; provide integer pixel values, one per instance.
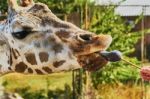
(3, 5)
(57, 6)
(105, 21)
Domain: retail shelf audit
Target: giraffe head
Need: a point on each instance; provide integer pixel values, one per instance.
(41, 43)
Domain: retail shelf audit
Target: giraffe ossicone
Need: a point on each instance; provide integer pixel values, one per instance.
(35, 41)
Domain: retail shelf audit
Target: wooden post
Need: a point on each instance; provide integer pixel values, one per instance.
(89, 92)
(65, 17)
(86, 15)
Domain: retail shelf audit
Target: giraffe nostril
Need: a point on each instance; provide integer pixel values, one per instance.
(85, 37)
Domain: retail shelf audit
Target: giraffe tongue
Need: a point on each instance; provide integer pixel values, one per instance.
(112, 56)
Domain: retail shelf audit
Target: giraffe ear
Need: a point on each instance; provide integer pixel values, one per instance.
(25, 3)
(12, 4)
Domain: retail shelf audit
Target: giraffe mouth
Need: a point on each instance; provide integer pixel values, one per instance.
(97, 60)
(93, 61)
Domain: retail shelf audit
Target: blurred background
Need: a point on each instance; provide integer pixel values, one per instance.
(127, 21)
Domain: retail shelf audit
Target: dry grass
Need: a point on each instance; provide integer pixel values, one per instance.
(121, 91)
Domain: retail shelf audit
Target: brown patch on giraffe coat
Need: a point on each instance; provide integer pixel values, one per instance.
(58, 63)
(14, 53)
(9, 68)
(0, 66)
(12, 41)
(10, 58)
(51, 39)
(30, 70)
(63, 35)
(21, 67)
(37, 44)
(36, 8)
(57, 47)
(8, 61)
(31, 58)
(43, 56)
(80, 47)
(46, 69)
(48, 18)
(38, 71)
(58, 24)
(45, 43)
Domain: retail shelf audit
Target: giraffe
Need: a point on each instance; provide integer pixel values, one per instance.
(34, 41)
(8, 95)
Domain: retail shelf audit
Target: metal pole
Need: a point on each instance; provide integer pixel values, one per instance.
(143, 50)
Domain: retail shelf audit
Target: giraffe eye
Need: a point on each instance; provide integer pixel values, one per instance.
(21, 35)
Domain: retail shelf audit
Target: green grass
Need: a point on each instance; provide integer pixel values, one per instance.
(37, 82)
